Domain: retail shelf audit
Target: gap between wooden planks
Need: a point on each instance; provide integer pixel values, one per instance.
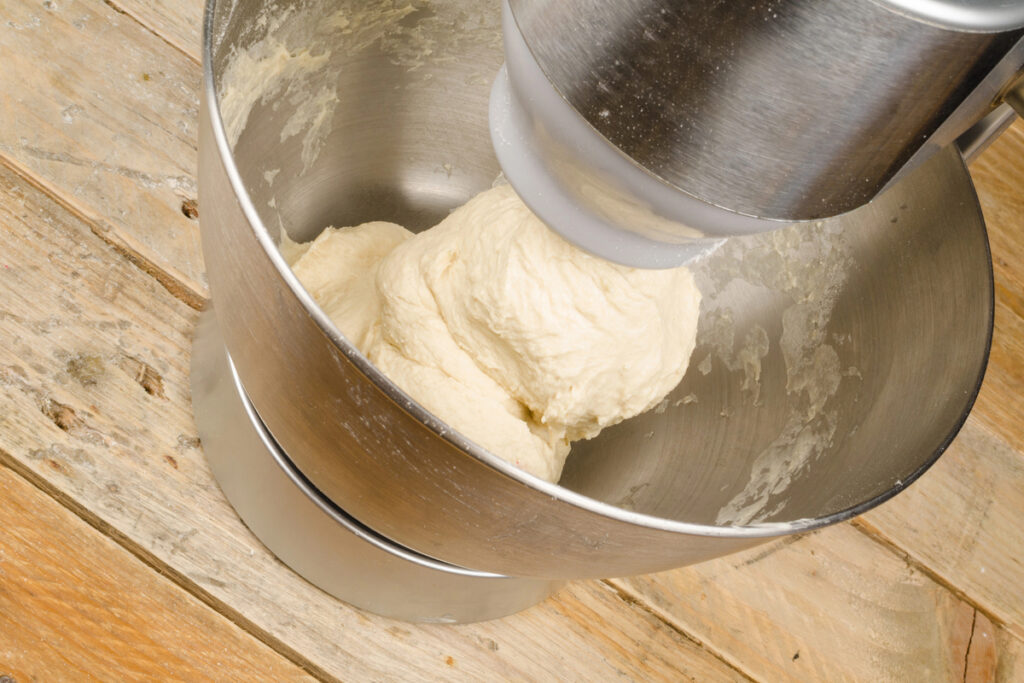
(74, 604)
(104, 115)
(934, 531)
(795, 600)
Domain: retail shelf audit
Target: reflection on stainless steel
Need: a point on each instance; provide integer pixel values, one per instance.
(787, 110)
(975, 139)
(908, 326)
(313, 536)
(970, 15)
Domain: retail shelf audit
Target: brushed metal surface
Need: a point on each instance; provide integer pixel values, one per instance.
(311, 535)
(408, 142)
(784, 110)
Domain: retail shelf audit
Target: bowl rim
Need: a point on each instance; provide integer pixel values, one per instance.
(407, 403)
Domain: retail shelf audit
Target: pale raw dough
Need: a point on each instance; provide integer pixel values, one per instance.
(338, 269)
(511, 335)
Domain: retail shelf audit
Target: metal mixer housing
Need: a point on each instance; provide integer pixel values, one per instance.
(723, 118)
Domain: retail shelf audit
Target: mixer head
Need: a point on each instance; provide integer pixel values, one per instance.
(647, 131)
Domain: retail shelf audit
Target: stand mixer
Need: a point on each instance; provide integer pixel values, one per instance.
(645, 131)
(321, 112)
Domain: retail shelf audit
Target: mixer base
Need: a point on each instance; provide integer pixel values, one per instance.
(314, 537)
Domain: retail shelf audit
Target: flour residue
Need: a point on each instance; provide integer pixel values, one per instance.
(808, 266)
(753, 350)
(359, 27)
(414, 34)
(268, 69)
(296, 59)
(312, 118)
(719, 331)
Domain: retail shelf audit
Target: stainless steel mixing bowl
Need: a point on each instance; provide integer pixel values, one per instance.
(310, 534)
(834, 364)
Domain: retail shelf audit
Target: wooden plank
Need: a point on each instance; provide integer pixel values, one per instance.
(75, 605)
(999, 177)
(1009, 668)
(95, 404)
(962, 520)
(178, 22)
(993, 654)
(104, 114)
(998, 174)
(1001, 400)
(832, 605)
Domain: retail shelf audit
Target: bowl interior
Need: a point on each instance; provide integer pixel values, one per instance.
(834, 361)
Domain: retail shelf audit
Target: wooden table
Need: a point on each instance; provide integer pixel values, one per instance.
(120, 558)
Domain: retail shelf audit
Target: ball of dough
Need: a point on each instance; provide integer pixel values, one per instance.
(584, 343)
(508, 333)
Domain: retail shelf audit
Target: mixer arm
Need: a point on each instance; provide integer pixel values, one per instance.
(979, 136)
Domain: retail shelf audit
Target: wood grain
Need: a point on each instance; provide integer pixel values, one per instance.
(178, 22)
(962, 520)
(76, 606)
(999, 178)
(95, 407)
(104, 115)
(1010, 667)
(832, 605)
